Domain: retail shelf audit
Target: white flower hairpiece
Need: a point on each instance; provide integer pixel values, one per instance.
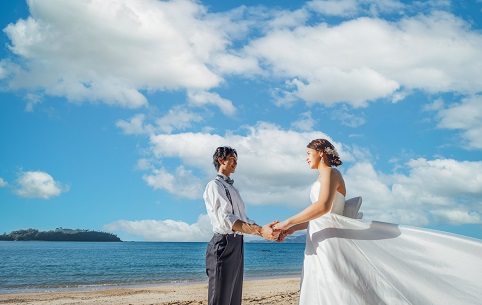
(331, 151)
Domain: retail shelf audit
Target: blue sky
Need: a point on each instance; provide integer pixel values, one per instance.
(110, 110)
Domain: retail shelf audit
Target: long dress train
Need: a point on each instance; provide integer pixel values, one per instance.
(352, 261)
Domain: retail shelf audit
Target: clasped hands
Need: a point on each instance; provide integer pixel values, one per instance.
(275, 230)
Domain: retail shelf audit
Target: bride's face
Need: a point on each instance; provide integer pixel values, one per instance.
(313, 158)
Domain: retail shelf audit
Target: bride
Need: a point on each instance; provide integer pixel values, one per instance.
(352, 261)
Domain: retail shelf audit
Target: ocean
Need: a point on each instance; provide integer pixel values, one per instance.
(48, 266)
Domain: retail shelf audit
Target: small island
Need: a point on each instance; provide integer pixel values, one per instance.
(59, 234)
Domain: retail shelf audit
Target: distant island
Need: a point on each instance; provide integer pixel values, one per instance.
(60, 234)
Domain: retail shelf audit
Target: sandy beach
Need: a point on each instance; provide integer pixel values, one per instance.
(271, 291)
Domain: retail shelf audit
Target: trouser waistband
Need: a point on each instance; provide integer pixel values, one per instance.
(229, 234)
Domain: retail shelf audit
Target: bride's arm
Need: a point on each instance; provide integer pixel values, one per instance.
(291, 230)
(298, 227)
(322, 206)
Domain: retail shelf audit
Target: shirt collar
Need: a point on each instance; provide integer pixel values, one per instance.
(226, 178)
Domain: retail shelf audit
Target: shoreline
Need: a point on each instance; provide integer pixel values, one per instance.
(99, 287)
(282, 291)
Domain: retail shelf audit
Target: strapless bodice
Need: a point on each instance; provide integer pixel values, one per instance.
(338, 202)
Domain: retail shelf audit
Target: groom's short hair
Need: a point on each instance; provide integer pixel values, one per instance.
(222, 152)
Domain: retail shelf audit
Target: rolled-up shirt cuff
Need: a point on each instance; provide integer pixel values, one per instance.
(231, 219)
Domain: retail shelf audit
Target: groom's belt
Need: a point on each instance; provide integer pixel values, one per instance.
(229, 234)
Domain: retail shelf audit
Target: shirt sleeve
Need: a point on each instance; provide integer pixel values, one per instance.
(219, 207)
(243, 207)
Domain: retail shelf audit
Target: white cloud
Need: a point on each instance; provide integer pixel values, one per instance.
(108, 50)
(342, 8)
(201, 98)
(433, 190)
(467, 117)
(353, 8)
(361, 60)
(163, 230)
(3, 69)
(177, 118)
(134, 126)
(181, 183)
(37, 184)
(434, 106)
(305, 123)
(348, 119)
(272, 171)
(458, 217)
(3, 183)
(144, 164)
(270, 160)
(287, 19)
(32, 99)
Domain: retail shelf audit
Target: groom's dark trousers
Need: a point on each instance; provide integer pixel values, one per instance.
(224, 267)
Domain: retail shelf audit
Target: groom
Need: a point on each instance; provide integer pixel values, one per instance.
(225, 251)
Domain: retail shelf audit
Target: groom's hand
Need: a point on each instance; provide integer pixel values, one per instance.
(268, 233)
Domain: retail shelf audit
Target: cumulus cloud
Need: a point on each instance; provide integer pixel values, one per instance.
(107, 51)
(305, 123)
(343, 116)
(133, 126)
(200, 98)
(163, 230)
(465, 116)
(363, 59)
(433, 190)
(343, 8)
(270, 159)
(181, 183)
(37, 184)
(272, 171)
(112, 51)
(353, 8)
(458, 216)
(3, 183)
(176, 119)
(3, 69)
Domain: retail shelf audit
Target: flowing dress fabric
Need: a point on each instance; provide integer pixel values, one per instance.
(352, 261)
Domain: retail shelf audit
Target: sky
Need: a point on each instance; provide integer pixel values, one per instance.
(111, 110)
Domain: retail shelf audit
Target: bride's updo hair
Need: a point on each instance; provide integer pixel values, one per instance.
(326, 147)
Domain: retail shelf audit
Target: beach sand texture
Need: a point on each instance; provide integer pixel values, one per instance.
(271, 291)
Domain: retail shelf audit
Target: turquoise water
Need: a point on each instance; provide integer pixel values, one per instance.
(46, 266)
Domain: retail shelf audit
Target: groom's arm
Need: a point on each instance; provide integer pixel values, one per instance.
(265, 231)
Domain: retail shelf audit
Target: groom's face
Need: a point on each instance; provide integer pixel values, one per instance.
(228, 166)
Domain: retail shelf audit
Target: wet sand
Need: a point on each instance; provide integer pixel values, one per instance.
(283, 291)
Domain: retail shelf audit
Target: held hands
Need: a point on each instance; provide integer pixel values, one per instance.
(284, 233)
(284, 228)
(277, 230)
(268, 233)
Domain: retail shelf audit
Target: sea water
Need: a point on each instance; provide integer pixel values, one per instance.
(46, 266)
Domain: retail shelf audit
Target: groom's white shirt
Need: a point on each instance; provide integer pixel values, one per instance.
(219, 208)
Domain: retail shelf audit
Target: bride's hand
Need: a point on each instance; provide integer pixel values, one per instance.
(282, 235)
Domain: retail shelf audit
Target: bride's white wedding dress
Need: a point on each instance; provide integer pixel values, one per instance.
(352, 261)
